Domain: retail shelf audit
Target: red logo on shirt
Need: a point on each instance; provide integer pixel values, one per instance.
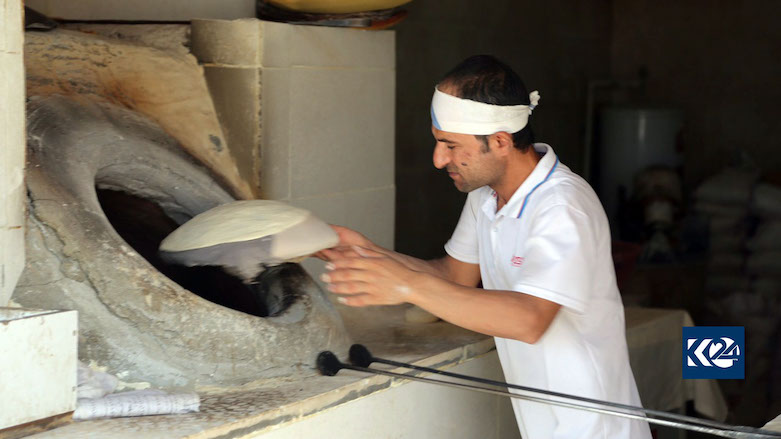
(517, 261)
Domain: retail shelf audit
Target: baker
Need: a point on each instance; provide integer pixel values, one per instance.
(537, 237)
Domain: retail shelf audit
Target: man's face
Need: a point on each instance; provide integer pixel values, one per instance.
(468, 161)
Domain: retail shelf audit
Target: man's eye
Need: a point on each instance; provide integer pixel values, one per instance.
(451, 146)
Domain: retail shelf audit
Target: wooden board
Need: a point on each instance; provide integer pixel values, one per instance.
(38, 426)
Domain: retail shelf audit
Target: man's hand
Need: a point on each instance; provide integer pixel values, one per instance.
(348, 239)
(363, 277)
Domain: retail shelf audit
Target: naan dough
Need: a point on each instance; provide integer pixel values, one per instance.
(234, 222)
(246, 236)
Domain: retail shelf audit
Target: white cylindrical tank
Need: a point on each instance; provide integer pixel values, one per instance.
(633, 138)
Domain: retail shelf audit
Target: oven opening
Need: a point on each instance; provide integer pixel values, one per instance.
(143, 224)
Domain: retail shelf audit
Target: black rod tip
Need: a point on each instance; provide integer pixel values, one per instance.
(328, 364)
(360, 356)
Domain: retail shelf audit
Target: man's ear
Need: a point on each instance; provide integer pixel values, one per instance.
(503, 142)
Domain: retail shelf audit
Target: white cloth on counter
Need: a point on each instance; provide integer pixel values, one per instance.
(97, 400)
(774, 425)
(136, 403)
(654, 338)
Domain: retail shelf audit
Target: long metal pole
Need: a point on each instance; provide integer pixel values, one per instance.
(329, 364)
(675, 416)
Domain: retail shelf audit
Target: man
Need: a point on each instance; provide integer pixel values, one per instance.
(536, 235)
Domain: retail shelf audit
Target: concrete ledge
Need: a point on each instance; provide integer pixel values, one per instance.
(265, 406)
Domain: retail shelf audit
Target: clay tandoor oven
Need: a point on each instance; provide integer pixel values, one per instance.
(119, 154)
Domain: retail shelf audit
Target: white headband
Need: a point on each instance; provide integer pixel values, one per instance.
(464, 116)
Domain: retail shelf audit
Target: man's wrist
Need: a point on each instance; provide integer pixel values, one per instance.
(421, 284)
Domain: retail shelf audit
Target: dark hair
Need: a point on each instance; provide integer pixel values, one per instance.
(483, 78)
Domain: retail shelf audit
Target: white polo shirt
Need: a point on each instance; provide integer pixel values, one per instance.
(552, 240)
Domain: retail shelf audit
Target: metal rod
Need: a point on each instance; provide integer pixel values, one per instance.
(329, 364)
(360, 356)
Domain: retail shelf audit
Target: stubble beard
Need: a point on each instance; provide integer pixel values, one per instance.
(483, 174)
(476, 182)
(465, 185)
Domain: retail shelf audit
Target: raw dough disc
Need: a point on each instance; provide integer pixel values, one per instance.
(234, 222)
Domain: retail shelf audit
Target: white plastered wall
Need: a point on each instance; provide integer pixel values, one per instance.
(12, 147)
(314, 107)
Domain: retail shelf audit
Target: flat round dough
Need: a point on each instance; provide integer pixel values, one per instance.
(234, 222)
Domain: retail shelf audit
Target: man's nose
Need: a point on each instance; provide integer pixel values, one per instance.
(441, 156)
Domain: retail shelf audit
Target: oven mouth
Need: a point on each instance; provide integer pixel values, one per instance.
(142, 223)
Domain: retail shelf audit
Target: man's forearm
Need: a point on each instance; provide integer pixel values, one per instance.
(507, 314)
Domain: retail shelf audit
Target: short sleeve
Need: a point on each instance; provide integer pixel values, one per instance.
(560, 257)
(463, 244)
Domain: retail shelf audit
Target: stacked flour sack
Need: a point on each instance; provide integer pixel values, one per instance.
(743, 278)
(724, 201)
(764, 266)
(764, 260)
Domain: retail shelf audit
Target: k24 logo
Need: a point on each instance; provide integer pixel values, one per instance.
(716, 352)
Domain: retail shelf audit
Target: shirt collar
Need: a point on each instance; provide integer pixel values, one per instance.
(541, 172)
